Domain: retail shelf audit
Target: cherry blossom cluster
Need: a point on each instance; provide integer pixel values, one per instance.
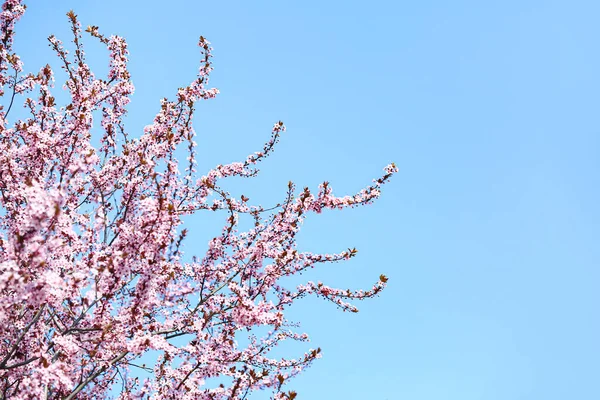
(96, 297)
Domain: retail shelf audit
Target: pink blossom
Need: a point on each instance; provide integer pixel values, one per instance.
(92, 277)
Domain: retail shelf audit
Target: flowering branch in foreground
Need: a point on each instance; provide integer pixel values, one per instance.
(91, 271)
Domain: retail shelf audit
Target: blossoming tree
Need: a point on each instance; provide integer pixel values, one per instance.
(92, 278)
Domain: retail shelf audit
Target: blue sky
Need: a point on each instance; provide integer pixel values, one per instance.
(487, 234)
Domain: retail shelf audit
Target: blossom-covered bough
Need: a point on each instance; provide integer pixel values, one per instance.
(92, 280)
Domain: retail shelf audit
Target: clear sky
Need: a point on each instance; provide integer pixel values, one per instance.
(489, 109)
